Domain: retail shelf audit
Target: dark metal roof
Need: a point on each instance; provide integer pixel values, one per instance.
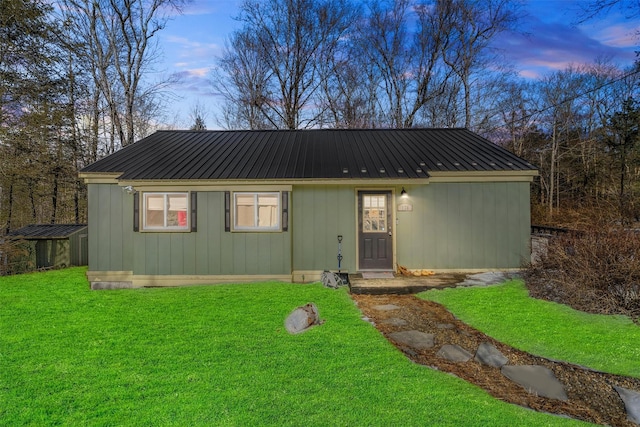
(307, 154)
(46, 231)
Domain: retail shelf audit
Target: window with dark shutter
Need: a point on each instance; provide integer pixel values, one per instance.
(136, 211)
(227, 211)
(285, 211)
(165, 212)
(194, 211)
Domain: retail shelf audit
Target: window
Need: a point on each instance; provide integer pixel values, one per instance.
(165, 211)
(374, 214)
(256, 211)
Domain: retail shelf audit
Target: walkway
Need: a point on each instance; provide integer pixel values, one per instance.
(430, 335)
(400, 285)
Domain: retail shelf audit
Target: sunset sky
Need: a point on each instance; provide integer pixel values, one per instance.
(550, 38)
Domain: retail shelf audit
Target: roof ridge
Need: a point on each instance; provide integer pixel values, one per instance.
(313, 130)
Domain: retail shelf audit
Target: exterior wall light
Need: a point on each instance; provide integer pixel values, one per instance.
(403, 193)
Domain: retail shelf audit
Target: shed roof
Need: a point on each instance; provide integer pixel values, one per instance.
(46, 231)
(306, 154)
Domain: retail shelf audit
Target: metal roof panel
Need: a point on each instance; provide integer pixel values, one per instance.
(307, 154)
(46, 231)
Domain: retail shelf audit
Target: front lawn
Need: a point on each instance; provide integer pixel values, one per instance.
(214, 355)
(507, 313)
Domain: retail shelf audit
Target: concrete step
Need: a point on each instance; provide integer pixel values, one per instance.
(402, 285)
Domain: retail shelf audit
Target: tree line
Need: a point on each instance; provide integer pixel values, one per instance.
(75, 85)
(78, 81)
(404, 63)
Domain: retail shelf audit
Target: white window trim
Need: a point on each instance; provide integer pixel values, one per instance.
(165, 227)
(276, 194)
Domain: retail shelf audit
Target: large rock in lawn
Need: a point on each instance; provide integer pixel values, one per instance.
(414, 339)
(536, 380)
(489, 355)
(302, 318)
(454, 353)
(631, 401)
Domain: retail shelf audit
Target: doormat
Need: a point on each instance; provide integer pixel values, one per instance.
(378, 275)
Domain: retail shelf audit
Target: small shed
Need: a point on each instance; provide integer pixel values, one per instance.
(54, 245)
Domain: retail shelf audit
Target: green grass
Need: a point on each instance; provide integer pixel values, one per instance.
(507, 313)
(214, 355)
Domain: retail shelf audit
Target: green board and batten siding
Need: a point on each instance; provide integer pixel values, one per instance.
(479, 225)
(209, 251)
(452, 226)
(321, 213)
(110, 228)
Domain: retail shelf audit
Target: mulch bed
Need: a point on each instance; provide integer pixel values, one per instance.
(591, 395)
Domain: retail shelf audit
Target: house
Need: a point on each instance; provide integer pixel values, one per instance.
(50, 246)
(190, 207)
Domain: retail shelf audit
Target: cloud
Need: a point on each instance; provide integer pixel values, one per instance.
(199, 7)
(192, 49)
(549, 46)
(195, 81)
(530, 74)
(199, 72)
(207, 7)
(620, 36)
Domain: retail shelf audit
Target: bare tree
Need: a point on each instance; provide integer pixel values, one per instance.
(517, 114)
(594, 8)
(287, 39)
(350, 91)
(198, 116)
(561, 118)
(385, 40)
(432, 38)
(242, 78)
(119, 48)
(408, 63)
(476, 23)
(624, 143)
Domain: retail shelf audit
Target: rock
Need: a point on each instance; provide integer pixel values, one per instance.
(454, 353)
(489, 355)
(485, 279)
(302, 318)
(536, 379)
(414, 339)
(96, 286)
(394, 321)
(386, 307)
(368, 319)
(445, 326)
(631, 401)
(465, 333)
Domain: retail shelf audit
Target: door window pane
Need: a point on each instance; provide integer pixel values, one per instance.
(374, 213)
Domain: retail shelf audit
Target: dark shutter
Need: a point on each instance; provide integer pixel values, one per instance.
(136, 211)
(285, 211)
(194, 211)
(227, 211)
